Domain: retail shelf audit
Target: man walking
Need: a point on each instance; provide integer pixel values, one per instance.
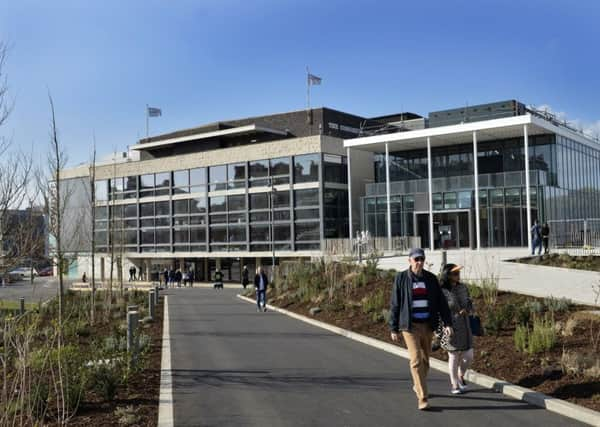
(416, 308)
(260, 283)
(536, 238)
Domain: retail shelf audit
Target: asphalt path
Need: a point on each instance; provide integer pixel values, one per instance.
(233, 366)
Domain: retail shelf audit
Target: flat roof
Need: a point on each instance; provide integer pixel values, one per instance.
(487, 130)
(236, 131)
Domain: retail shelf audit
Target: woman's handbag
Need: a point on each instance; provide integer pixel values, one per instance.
(475, 323)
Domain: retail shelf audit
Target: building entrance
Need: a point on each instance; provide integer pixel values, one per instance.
(451, 229)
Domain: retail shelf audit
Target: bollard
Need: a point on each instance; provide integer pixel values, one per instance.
(151, 304)
(132, 321)
(22, 305)
(444, 259)
(156, 295)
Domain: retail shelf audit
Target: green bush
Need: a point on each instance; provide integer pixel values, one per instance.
(374, 303)
(557, 305)
(520, 338)
(542, 337)
(489, 288)
(522, 314)
(506, 313)
(474, 290)
(534, 306)
(493, 322)
(371, 265)
(106, 378)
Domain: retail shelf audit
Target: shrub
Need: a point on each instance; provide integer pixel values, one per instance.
(474, 290)
(489, 288)
(374, 303)
(105, 379)
(520, 338)
(506, 313)
(534, 306)
(127, 416)
(371, 265)
(522, 314)
(542, 337)
(493, 323)
(557, 305)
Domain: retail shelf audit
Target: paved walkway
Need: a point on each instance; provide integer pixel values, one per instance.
(540, 281)
(233, 366)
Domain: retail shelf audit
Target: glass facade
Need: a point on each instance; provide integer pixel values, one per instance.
(230, 207)
(564, 179)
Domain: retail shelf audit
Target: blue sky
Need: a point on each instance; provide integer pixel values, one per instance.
(208, 60)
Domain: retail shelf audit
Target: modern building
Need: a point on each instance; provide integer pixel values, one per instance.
(223, 195)
(263, 189)
(460, 178)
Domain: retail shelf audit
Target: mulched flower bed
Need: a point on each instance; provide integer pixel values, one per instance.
(142, 391)
(590, 262)
(140, 394)
(495, 355)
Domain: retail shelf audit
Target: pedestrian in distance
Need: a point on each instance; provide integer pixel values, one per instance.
(260, 284)
(166, 277)
(245, 277)
(186, 278)
(192, 275)
(218, 279)
(417, 305)
(178, 277)
(84, 277)
(134, 270)
(536, 238)
(130, 274)
(459, 345)
(545, 237)
(172, 278)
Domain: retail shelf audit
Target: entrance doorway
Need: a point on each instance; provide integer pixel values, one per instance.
(451, 229)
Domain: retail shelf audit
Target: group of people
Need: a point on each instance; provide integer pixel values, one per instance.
(174, 277)
(540, 235)
(420, 305)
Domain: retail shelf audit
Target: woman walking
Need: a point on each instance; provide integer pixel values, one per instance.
(459, 345)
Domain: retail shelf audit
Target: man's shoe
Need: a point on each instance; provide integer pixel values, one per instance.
(456, 391)
(423, 404)
(265, 309)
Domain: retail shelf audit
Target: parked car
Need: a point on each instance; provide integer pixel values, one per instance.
(46, 271)
(23, 272)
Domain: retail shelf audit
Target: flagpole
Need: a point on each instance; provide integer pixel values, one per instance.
(307, 89)
(147, 129)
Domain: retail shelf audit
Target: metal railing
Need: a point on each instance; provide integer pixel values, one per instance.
(576, 234)
(462, 182)
(358, 247)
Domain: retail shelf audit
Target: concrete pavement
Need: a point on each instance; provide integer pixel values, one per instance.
(534, 280)
(234, 366)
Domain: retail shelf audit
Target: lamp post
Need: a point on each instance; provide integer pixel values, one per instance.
(273, 191)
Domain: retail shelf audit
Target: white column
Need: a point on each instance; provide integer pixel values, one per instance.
(350, 228)
(527, 189)
(430, 189)
(476, 181)
(387, 195)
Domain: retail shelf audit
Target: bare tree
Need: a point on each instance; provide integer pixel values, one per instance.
(93, 236)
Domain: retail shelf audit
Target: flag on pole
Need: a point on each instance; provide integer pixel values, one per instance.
(154, 112)
(314, 80)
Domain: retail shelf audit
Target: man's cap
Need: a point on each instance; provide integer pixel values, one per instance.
(416, 252)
